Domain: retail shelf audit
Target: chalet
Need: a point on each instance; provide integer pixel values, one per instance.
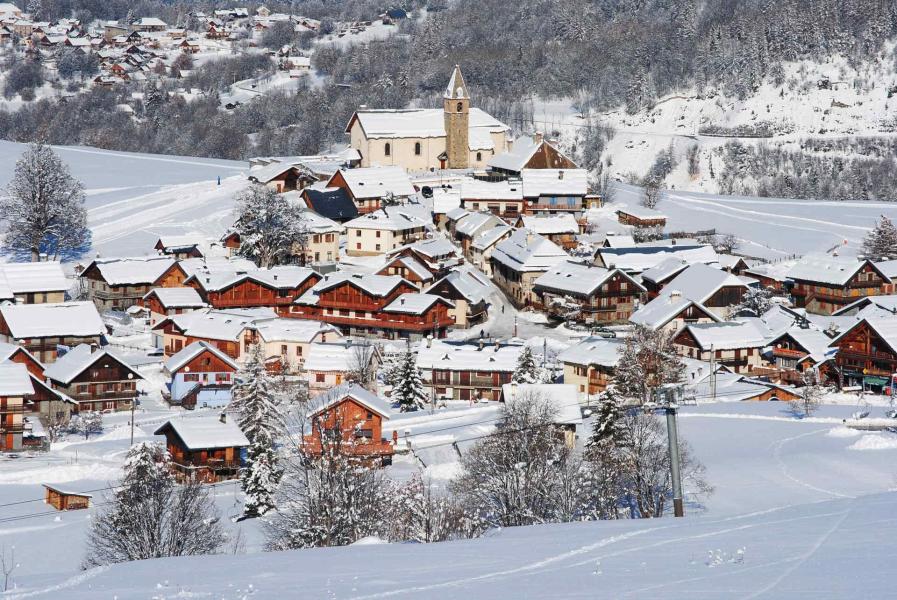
(367, 187)
(204, 449)
(221, 328)
(639, 216)
(329, 365)
(15, 385)
(503, 199)
(716, 290)
(736, 265)
(409, 269)
(533, 153)
(469, 291)
(33, 282)
(165, 302)
(792, 353)
(200, 375)
(330, 202)
(148, 24)
(189, 46)
(179, 246)
(42, 328)
(66, 498)
(480, 250)
(276, 287)
(671, 312)
(287, 342)
(119, 283)
(823, 284)
(519, 260)
(882, 304)
(584, 292)
(282, 176)
(732, 387)
(867, 352)
(561, 398)
(553, 191)
(452, 218)
(383, 231)
(560, 228)
(590, 364)
(737, 345)
(456, 136)
(470, 225)
(349, 421)
(322, 240)
(438, 255)
(45, 400)
(466, 371)
(642, 257)
(96, 379)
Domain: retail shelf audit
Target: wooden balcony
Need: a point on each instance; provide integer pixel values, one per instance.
(361, 447)
(381, 323)
(251, 302)
(788, 353)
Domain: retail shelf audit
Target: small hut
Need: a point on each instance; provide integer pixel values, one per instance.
(61, 499)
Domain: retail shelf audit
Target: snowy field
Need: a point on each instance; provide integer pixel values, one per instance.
(799, 506)
(134, 198)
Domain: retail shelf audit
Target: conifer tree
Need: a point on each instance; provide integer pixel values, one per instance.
(881, 242)
(526, 370)
(256, 403)
(609, 427)
(408, 389)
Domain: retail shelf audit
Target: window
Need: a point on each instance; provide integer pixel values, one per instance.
(319, 377)
(191, 376)
(219, 377)
(377, 233)
(417, 148)
(378, 247)
(479, 157)
(357, 233)
(298, 350)
(283, 349)
(358, 246)
(387, 149)
(460, 106)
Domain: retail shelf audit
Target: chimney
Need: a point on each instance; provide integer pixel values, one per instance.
(223, 417)
(675, 296)
(275, 278)
(538, 137)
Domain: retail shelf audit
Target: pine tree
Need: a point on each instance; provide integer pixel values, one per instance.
(255, 401)
(526, 370)
(881, 242)
(408, 389)
(43, 209)
(609, 427)
(755, 302)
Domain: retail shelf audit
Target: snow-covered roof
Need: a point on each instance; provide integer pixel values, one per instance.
(474, 222)
(219, 325)
(562, 397)
(414, 303)
(14, 380)
(191, 351)
(490, 237)
(316, 223)
(132, 271)
(551, 224)
(178, 242)
(376, 182)
(456, 214)
(179, 297)
(412, 264)
(478, 189)
(433, 248)
(811, 339)
(554, 182)
(445, 200)
(887, 302)
(664, 270)
(21, 278)
(516, 158)
(199, 433)
(663, 309)
(618, 240)
(356, 392)
(826, 269)
(78, 359)
(335, 357)
(728, 335)
(419, 123)
(287, 329)
(211, 264)
(581, 279)
(599, 351)
(456, 88)
(467, 356)
(279, 277)
(474, 287)
(699, 282)
(60, 319)
(884, 327)
(524, 250)
(150, 22)
(7, 351)
(388, 219)
(637, 259)
(376, 285)
(641, 212)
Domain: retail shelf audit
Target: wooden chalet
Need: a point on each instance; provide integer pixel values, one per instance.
(737, 345)
(466, 371)
(639, 216)
(282, 177)
(409, 269)
(469, 291)
(42, 328)
(503, 199)
(867, 353)
(96, 379)
(590, 364)
(200, 375)
(119, 283)
(277, 287)
(208, 450)
(165, 302)
(553, 191)
(350, 422)
(179, 247)
(823, 284)
(65, 499)
(534, 153)
(367, 186)
(382, 305)
(562, 229)
(15, 385)
(794, 352)
(227, 331)
(586, 293)
(33, 282)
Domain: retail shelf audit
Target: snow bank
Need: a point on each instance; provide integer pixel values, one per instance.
(843, 432)
(875, 441)
(61, 474)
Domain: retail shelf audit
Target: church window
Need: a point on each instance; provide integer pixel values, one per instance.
(479, 157)
(387, 149)
(416, 148)
(460, 106)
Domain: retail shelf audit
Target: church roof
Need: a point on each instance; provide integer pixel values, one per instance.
(420, 123)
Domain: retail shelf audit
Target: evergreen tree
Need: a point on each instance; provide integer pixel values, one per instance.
(269, 226)
(881, 242)
(44, 206)
(609, 427)
(526, 370)
(255, 401)
(408, 389)
(755, 302)
(648, 361)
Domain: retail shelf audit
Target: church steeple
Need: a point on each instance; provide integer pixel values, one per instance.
(456, 110)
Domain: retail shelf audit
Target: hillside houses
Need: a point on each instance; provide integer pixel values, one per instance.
(823, 284)
(119, 283)
(384, 231)
(589, 365)
(367, 187)
(97, 379)
(200, 375)
(584, 292)
(519, 260)
(276, 287)
(465, 370)
(33, 283)
(42, 328)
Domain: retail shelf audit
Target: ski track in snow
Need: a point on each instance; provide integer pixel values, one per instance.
(180, 161)
(777, 454)
(68, 583)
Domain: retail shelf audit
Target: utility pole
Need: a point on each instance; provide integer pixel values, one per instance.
(515, 325)
(675, 467)
(133, 405)
(712, 374)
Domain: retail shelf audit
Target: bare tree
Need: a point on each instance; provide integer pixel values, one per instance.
(810, 395)
(56, 426)
(8, 565)
(362, 364)
(726, 244)
(419, 513)
(651, 195)
(648, 361)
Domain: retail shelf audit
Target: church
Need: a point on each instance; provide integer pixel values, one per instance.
(423, 139)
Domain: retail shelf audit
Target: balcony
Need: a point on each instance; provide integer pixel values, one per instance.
(381, 323)
(361, 448)
(788, 353)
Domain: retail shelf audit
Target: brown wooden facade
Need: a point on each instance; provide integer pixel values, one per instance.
(206, 465)
(356, 428)
(862, 353)
(61, 499)
(106, 384)
(613, 301)
(826, 298)
(122, 297)
(250, 293)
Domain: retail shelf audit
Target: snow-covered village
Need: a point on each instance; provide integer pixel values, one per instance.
(447, 299)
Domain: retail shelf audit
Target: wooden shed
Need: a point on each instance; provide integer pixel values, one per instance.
(61, 499)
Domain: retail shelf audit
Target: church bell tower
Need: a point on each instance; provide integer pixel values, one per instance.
(456, 109)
